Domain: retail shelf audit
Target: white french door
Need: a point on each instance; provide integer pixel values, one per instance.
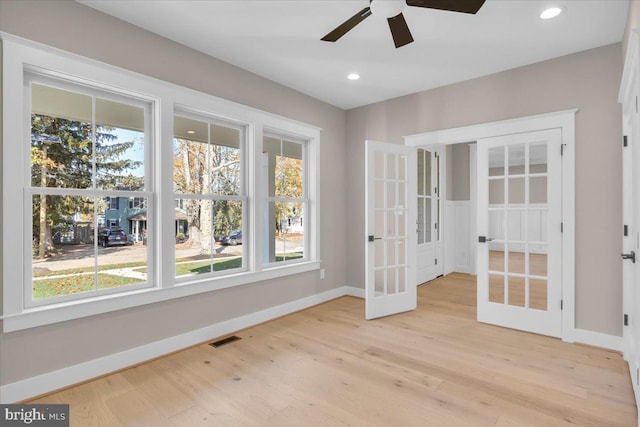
(429, 207)
(519, 257)
(390, 229)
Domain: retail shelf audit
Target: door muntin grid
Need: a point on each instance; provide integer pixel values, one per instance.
(517, 216)
(390, 210)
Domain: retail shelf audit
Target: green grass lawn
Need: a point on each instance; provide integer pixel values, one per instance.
(101, 267)
(47, 288)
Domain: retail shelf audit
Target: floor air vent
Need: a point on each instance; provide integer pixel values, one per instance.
(224, 341)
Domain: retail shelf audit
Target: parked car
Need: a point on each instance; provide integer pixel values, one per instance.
(112, 236)
(235, 238)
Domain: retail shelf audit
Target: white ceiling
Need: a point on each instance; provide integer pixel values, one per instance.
(280, 40)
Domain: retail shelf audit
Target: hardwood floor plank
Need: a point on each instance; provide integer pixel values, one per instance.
(327, 366)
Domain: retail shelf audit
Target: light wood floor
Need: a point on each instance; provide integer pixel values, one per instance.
(327, 366)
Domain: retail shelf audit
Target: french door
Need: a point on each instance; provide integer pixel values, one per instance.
(390, 229)
(430, 248)
(519, 257)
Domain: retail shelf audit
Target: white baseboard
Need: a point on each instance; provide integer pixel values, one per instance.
(355, 292)
(51, 381)
(598, 339)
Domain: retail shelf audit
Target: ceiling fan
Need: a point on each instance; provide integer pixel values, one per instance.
(392, 10)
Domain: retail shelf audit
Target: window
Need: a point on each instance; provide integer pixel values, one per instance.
(285, 207)
(87, 152)
(136, 191)
(209, 192)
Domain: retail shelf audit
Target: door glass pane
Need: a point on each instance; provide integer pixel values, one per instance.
(496, 225)
(379, 196)
(496, 192)
(515, 232)
(427, 219)
(391, 194)
(516, 191)
(391, 166)
(496, 257)
(402, 272)
(516, 291)
(538, 294)
(379, 247)
(538, 189)
(391, 281)
(379, 282)
(516, 159)
(402, 167)
(380, 223)
(402, 254)
(538, 158)
(496, 288)
(427, 173)
(538, 264)
(391, 252)
(420, 224)
(420, 172)
(401, 224)
(496, 161)
(437, 232)
(391, 224)
(378, 161)
(516, 259)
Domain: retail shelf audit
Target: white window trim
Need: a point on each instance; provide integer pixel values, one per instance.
(19, 53)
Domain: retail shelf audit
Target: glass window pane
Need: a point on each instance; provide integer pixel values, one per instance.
(391, 281)
(496, 225)
(538, 264)
(288, 171)
(391, 166)
(402, 167)
(427, 221)
(207, 158)
(427, 173)
(122, 239)
(208, 235)
(496, 257)
(61, 138)
(119, 149)
(287, 231)
(63, 226)
(421, 216)
(516, 259)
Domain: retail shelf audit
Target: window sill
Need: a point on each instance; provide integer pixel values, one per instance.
(40, 316)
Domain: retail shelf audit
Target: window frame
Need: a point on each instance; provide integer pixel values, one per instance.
(20, 55)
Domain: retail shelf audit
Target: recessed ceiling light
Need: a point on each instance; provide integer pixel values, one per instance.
(191, 131)
(353, 76)
(551, 12)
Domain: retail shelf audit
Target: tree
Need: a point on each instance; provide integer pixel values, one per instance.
(288, 177)
(69, 164)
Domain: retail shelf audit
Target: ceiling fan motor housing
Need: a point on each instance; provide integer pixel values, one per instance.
(387, 8)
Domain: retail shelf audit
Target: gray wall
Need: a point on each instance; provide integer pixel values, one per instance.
(587, 80)
(76, 28)
(458, 172)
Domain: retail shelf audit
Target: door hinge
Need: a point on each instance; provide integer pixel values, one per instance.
(562, 227)
(562, 149)
(638, 376)
(624, 141)
(561, 304)
(625, 230)
(435, 225)
(436, 261)
(636, 104)
(626, 320)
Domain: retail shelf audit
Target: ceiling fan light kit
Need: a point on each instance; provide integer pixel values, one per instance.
(392, 10)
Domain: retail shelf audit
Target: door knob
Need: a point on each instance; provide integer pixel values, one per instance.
(483, 239)
(371, 238)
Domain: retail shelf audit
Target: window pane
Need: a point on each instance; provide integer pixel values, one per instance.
(209, 236)
(287, 232)
(119, 146)
(122, 240)
(288, 173)
(206, 158)
(61, 139)
(63, 245)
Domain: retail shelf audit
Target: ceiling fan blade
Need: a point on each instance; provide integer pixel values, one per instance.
(399, 30)
(347, 25)
(464, 6)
